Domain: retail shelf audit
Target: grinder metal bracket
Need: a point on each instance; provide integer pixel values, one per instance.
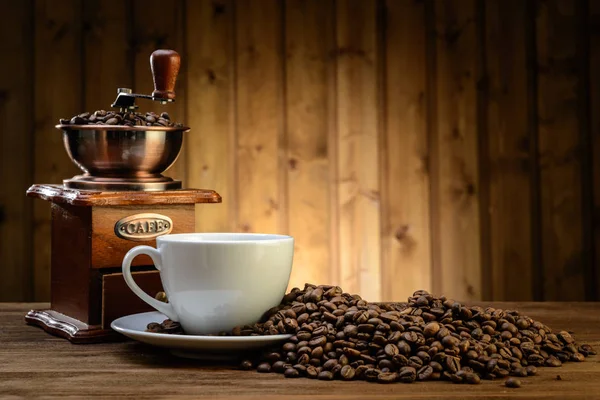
(165, 67)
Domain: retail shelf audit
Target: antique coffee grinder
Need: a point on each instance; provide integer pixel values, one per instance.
(120, 201)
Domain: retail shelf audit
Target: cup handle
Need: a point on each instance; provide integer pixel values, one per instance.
(164, 308)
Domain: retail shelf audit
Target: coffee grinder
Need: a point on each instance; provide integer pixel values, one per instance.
(120, 201)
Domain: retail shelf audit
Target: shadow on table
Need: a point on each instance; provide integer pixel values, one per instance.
(157, 357)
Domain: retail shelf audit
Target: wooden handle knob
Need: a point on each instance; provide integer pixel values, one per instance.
(165, 67)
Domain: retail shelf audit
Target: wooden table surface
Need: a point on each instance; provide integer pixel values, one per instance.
(33, 363)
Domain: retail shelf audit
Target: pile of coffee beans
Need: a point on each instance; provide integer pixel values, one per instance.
(337, 335)
(102, 117)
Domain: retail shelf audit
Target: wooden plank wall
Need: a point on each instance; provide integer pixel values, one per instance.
(441, 145)
(16, 154)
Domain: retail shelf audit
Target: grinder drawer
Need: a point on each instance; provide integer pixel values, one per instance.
(118, 300)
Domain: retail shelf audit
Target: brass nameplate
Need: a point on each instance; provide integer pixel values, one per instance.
(141, 227)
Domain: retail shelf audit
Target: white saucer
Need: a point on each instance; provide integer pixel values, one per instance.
(191, 346)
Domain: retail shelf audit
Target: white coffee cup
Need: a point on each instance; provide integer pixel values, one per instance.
(217, 281)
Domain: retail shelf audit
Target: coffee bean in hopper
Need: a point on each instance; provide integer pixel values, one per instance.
(102, 117)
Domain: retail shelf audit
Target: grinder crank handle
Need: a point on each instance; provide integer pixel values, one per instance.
(165, 67)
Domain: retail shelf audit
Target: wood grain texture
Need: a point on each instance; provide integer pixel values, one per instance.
(58, 94)
(76, 197)
(406, 241)
(32, 362)
(560, 150)
(159, 24)
(255, 67)
(594, 24)
(107, 53)
(310, 40)
(16, 144)
(357, 147)
(210, 109)
(118, 300)
(260, 134)
(72, 280)
(455, 149)
(108, 250)
(75, 331)
(508, 150)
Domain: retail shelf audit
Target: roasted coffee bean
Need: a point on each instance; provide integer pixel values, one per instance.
(565, 337)
(404, 347)
(452, 364)
(336, 370)
(587, 349)
(450, 341)
(316, 352)
(303, 359)
(512, 383)
(329, 364)
(325, 375)
(291, 357)
(312, 372)
(577, 357)
(410, 337)
(407, 374)
(289, 347)
(431, 329)
(459, 376)
(503, 364)
(400, 360)
(278, 366)
(303, 350)
(153, 327)
(425, 373)
(347, 373)
(343, 343)
(246, 365)
(387, 377)
(415, 362)
(385, 363)
(367, 358)
(535, 359)
(501, 373)
(318, 341)
(472, 378)
(380, 340)
(437, 367)
(272, 357)
(352, 353)
(366, 328)
(424, 356)
(391, 350)
(263, 367)
(360, 371)
(371, 374)
(552, 362)
(291, 373)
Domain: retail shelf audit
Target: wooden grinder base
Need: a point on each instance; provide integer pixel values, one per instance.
(88, 291)
(75, 331)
